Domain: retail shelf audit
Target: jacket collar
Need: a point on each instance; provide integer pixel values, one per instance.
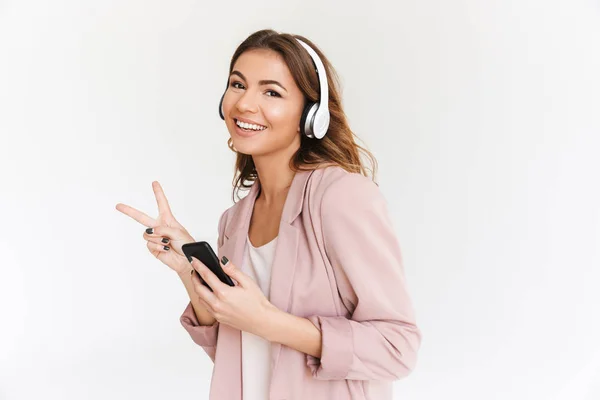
(240, 221)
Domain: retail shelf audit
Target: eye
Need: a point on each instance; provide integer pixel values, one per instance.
(275, 94)
(235, 83)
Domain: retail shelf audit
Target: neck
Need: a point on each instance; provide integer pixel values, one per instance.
(275, 176)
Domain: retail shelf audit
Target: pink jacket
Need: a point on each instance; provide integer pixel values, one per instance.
(337, 263)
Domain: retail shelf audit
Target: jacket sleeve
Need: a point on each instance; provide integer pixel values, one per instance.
(380, 339)
(203, 335)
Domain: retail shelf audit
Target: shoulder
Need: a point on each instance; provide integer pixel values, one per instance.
(338, 190)
(230, 212)
(335, 181)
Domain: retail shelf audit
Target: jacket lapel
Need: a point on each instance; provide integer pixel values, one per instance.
(284, 260)
(286, 253)
(282, 271)
(236, 233)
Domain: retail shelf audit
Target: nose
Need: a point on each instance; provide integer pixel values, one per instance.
(247, 103)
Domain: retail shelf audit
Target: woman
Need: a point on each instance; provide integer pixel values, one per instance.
(319, 309)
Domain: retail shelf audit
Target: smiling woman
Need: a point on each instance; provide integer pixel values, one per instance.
(320, 309)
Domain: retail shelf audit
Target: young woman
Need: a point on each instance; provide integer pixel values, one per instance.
(320, 308)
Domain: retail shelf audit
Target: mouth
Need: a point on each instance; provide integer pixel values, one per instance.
(245, 129)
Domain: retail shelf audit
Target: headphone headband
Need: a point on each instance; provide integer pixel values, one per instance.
(317, 122)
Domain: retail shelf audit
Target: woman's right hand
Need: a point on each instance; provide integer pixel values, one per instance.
(165, 226)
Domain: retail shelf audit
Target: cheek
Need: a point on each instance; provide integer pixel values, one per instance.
(282, 116)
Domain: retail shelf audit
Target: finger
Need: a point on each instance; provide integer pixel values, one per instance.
(161, 199)
(161, 234)
(165, 231)
(209, 277)
(157, 239)
(234, 272)
(136, 214)
(202, 291)
(158, 247)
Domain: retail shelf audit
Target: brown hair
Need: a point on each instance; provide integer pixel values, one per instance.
(337, 147)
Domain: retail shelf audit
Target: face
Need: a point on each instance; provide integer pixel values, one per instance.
(263, 96)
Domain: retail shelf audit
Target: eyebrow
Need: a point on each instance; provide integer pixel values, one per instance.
(261, 82)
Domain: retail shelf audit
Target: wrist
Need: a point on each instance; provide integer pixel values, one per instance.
(185, 273)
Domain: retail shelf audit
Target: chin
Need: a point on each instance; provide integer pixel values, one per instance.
(248, 147)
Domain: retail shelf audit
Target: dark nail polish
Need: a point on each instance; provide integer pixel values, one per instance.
(224, 260)
(166, 247)
(165, 240)
(150, 231)
(189, 258)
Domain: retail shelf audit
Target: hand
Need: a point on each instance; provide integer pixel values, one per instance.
(164, 226)
(243, 306)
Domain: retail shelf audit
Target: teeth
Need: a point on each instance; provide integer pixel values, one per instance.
(250, 126)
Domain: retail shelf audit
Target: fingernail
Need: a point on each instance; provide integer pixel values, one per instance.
(165, 240)
(166, 247)
(150, 231)
(189, 259)
(224, 260)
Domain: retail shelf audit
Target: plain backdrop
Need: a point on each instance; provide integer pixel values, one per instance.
(484, 117)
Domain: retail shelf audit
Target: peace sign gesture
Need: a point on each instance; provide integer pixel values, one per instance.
(164, 235)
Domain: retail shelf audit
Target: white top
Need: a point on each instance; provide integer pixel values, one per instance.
(256, 351)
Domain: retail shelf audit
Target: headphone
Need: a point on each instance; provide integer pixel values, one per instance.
(315, 117)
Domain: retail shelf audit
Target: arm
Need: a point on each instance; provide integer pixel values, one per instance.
(292, 331)
(202, 327)
(380, 340)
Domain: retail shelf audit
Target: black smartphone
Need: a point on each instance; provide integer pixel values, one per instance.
(203, 252)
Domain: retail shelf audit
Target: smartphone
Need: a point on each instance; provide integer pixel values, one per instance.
(203, 252)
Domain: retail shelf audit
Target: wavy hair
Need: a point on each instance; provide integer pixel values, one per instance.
(338, 146)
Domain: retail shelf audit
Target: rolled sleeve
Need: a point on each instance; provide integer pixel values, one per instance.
(336, 349)
(203, 335)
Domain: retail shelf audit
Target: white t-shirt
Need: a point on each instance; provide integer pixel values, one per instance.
(256, 351)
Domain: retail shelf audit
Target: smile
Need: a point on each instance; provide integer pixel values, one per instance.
(249, 127)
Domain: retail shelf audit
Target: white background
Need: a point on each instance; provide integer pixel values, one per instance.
(485, 119)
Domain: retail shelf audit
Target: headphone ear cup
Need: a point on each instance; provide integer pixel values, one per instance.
(221, 108)
(304, 130)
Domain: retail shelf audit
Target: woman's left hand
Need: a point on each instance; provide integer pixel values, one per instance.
(243, 306)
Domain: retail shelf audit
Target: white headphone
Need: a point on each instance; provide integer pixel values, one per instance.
(315, 117)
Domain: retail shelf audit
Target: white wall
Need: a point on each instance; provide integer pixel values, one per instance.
(484, 117)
